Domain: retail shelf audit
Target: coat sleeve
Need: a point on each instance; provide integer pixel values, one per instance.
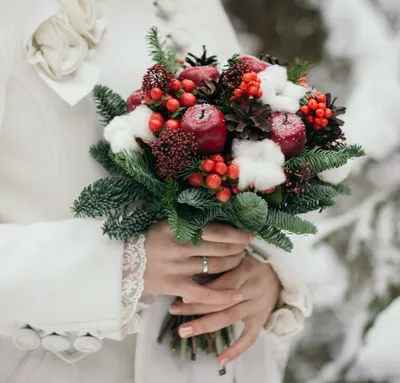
(60, 276)
(295, 304)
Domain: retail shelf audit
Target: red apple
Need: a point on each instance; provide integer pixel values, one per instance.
(134, 100)
(289, 131)
(199, 73)
(208, 125)
(255, 64)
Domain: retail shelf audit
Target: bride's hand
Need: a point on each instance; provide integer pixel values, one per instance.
(170, 266)
(260, 288)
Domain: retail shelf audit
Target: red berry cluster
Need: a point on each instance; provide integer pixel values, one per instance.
(316, 112)
(173, 151)
(217, 176)
(180, 95)
(249, 86)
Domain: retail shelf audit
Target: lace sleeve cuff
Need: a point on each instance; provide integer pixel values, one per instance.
(294, 304)
(134, 266)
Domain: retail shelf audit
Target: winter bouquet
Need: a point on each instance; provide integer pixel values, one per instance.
(250, 145)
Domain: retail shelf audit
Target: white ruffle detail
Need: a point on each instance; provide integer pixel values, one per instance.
(134, 266)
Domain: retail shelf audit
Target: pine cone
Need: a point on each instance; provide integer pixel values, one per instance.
(210, 93)
(331, 137)
(272, 60)
(204, 60)
(233, 75)
(250, 120)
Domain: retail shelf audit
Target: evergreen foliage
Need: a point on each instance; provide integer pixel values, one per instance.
(139, 168)
(126, 225)
(298, 69)
(288, 222)
(198, 198)
(318, 159)
(108, 104)
(276, 237)
(102, 153)
(249, 211)
(159, 52)
(107, 195)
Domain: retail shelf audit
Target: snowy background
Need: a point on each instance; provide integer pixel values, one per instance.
(353, 265)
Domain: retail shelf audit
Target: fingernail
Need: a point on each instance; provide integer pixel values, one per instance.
(185, 300)
(174, 309)
(224, 362)
(238, 298)
(184, 332)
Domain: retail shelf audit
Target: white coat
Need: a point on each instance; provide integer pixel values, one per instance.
(60, 279)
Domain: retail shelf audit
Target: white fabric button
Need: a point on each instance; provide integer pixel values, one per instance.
(56, 343)
(26, 339)
(182, 37)
(166, 7)
(88, 344)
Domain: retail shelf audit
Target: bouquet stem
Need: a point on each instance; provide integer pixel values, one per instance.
(216, 342)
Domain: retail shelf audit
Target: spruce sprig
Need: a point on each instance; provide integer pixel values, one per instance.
(298, 69)
(290, 223)
(159, 51)
(107, 195)
(249, 211)
(129, 224)
(318, 159)
(102, 153)
(137, 166)
(354, 151)
(198, 198)
(276, 237)
(108, 104)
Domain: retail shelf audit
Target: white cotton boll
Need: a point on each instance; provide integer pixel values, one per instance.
(272, 152)
(138, 123)
(284, 104)
(268, 175)
(269, 95)
(337, 175)
(247, 172)
(379, 357)
(258, 150)
(261, 174)
(117, 124)
(293, 91)
(122, 141)
(243, 148)
(274, 76)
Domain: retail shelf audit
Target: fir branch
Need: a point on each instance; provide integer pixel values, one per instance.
(185, 230)
(318, 159)
(276, 237)
(159, 51)
(108, 104)
(107, 195)
(171, 192)
(298, 69)
(249, 210)
(122, 227)
(354, 151)
(289, 222)
(102, 153)
(139, 168)
(341, 189)
(198, 198)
